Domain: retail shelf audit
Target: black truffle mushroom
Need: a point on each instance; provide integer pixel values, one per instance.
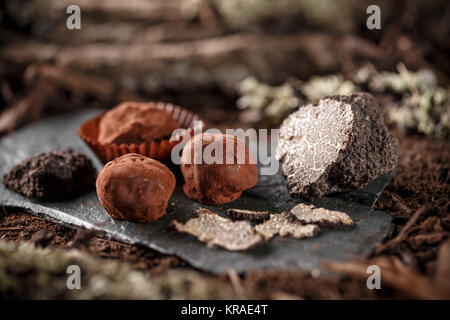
(340, 143)
(52, 175)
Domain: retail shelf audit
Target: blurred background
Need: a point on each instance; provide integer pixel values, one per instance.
(235, 62)
(245, 64)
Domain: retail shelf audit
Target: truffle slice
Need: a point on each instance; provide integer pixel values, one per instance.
(285, 224)
(135, 122)
(210, 182)
(135, 188)
(213, 229)
(242, 214)
(321, 216)
(52, 175)
(340, 142)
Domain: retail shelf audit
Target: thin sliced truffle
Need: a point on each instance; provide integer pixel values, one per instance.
(321, 216)
(52, 175)
(213, 229)
(340, 142)
(135, 188)
(242, 214)
(285, 224)
(222, 180)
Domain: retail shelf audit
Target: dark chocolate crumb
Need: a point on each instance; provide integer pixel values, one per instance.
(52, 175)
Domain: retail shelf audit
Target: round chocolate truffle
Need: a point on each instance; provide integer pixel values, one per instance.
(212, 182)
(135, 122)
(135, 188)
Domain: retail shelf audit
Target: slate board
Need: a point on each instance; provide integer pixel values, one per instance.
(269, 194)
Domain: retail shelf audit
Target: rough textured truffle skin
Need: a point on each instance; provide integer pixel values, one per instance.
(52, 175)
(216, 183)
(135, 188)
(340, 142)
(135, 122)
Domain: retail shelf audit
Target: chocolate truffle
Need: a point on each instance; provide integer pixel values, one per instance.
(217, 183)
(340, 143)
(52, 175)
(135, 122)
(135, 188)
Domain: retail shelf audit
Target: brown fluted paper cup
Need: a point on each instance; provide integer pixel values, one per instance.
(158, 149)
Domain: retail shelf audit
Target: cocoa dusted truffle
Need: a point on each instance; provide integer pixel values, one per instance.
(135, 188)
(284, 224)
(135, 122)
(213, 229)
(340, 143)
(52, 175)
(217, 183)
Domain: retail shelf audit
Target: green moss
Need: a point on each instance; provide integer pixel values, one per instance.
(35, 273)
(272, 103)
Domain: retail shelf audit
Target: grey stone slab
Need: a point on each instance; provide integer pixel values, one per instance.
(269, 194)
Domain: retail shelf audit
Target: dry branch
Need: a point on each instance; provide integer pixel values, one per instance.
(395, 274)
(29, 108)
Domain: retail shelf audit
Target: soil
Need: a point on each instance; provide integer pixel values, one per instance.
(422, 182)
(52, 175)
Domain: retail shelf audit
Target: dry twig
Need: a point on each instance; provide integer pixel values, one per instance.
(402, 234)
